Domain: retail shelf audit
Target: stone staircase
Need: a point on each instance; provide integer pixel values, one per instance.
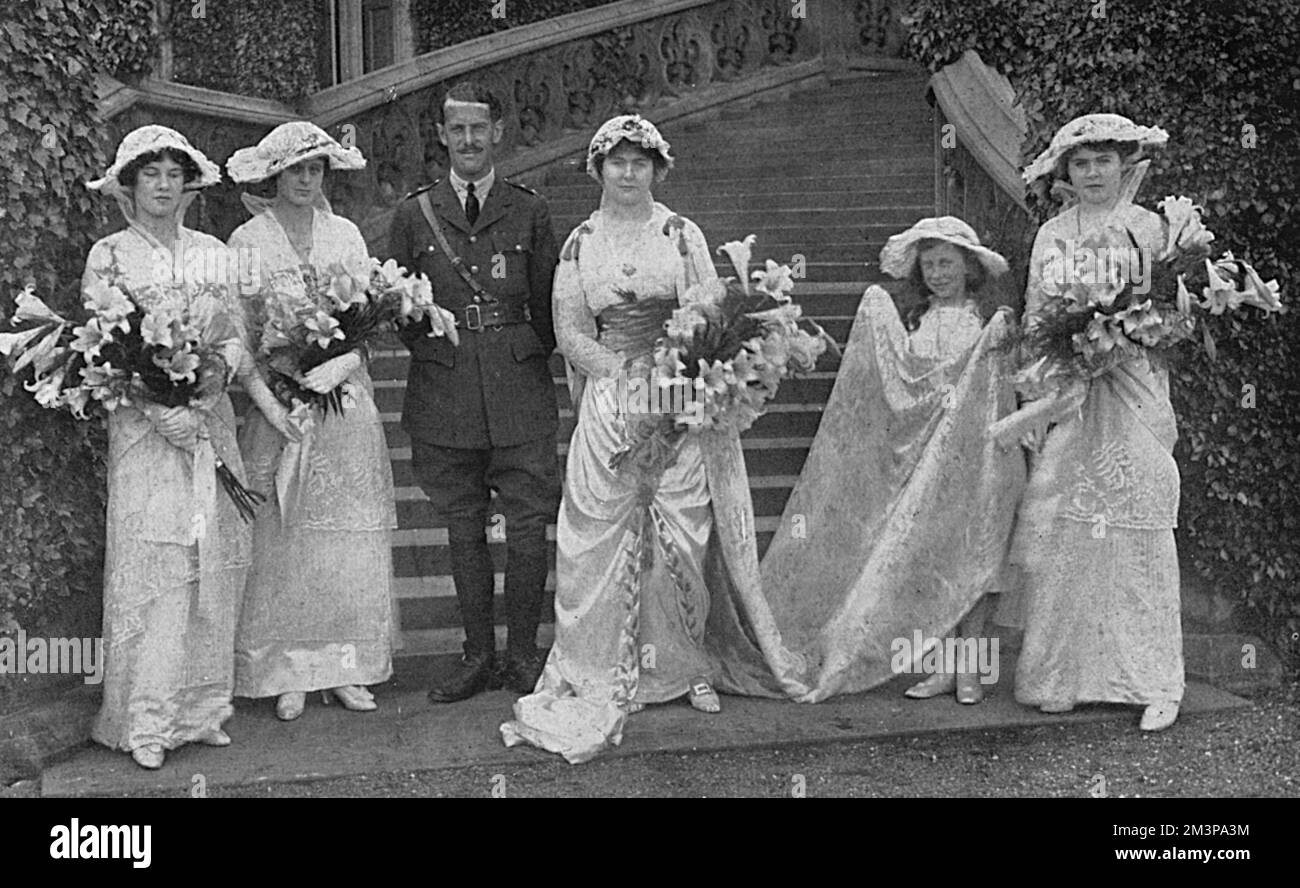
(826, 174)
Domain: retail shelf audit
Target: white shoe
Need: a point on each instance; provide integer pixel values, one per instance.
(150, 757)
(936, 685)
(1159, 715)
(289, 706)
(353, 697)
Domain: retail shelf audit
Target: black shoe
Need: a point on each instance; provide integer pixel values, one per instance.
(521, 671)
(472, 675)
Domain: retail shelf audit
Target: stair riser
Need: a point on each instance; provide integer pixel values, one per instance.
(915, 163)
(811, 183)
(792, 392)
(771, 425)
(794, 201)
(765, 462)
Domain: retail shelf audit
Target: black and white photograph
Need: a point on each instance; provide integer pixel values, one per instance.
(651, 398)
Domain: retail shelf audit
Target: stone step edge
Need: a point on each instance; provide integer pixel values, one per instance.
(403, 454)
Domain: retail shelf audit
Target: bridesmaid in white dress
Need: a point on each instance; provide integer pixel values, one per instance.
(944, 261)
(318, 611)
(176, 552)
(896, 533)
(1096, 528)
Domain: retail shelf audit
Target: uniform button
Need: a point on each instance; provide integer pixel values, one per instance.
(478, 298)
(473, 238)
(473, 269)
(519, 247)
(430, 248)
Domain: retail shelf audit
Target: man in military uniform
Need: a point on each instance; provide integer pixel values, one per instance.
(482, 414)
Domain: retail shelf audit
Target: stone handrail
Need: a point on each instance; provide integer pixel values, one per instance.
(557, 79)
(980, 103)
(978, 134)
(338, 103)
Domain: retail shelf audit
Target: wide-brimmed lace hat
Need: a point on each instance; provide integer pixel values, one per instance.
(898, 257)
(632, 128)
(146, 140)
(1088, 129)
(286, 145)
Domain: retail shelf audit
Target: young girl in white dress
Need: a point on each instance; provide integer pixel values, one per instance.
(897, 529)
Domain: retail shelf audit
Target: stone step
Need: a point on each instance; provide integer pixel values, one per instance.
(915, 162)
(892, 200)
(710, 214)
(805, 180)
(763, 457)
(416, 524)
(809, 390)
(801, 420)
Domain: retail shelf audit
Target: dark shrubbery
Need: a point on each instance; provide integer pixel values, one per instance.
(52, 485)
(1224, 80)
(261, 48)
(442, 23)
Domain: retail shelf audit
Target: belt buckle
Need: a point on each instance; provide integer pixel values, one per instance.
(476, 321)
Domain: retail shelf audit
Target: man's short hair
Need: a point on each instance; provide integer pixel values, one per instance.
(471, 91)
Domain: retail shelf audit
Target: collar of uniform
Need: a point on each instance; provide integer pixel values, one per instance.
(481, 187)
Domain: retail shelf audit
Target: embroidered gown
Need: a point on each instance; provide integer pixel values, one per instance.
(649, 579)
(176, 550)
(901, 518)
(318, 611)
(1096, 527)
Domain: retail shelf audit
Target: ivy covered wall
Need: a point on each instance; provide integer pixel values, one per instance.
(1224, 80)
(52, 482)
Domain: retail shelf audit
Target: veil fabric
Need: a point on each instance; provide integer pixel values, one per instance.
(901, 517)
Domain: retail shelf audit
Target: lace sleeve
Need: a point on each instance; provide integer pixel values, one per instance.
(97, 265)
(575, 325)
(250, 302)
(698, 257)
(1034, 295)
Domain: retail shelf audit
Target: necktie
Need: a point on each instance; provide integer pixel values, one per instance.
(471, 204)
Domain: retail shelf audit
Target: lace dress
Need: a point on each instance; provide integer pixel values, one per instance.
(649, 579)
(1096, 528)
(946, 331)
(901, 518)
(176, 551)
(318, 611)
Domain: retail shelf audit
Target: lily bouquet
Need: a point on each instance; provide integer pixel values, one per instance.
(119, 355)
(726, 349)
(331, 314)
(1114, 302)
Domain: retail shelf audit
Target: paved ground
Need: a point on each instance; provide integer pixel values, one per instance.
(877, 743)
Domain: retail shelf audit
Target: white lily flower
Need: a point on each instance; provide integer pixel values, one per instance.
(16, 342)
(739, 252)
(30, 307)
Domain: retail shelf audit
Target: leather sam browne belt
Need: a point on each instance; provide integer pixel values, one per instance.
(495, 315)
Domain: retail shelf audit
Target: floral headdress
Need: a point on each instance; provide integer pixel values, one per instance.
(899, 256)
(146, 140)
(286, 145)
(631, 127)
